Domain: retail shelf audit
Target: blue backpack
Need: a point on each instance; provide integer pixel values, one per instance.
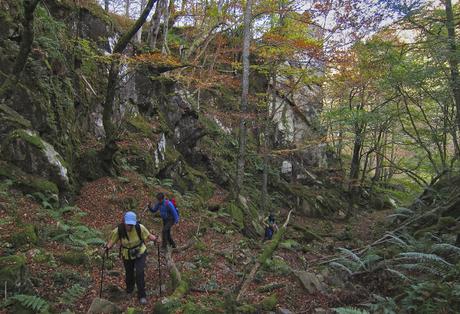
(172, 207)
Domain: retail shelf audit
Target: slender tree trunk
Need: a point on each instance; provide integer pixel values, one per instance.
(453, 57)
(267, 144)
(127, 7)
(244, 97)
(167, 12)
(378, 157)
(107, 114)
(106, 5)
(155, 27)
(139, 32)
(356, 158)
(27, 38)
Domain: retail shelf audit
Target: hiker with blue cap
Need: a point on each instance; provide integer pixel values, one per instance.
(132, 236)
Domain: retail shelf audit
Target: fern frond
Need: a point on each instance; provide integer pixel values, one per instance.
(420, 268)
(396, 240)
(398, 274)
(349, 310)
(352, 256)
(94, 241)
(424, 257)
(72, 294)
(32, 302)
(404, 211)
(341, 266)
(446, 248)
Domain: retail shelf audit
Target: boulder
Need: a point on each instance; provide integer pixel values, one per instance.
(29, 183)
(103, 306)
(12, 271)
(24, 236)
(29, 152)
(309, 281)
(269, 303)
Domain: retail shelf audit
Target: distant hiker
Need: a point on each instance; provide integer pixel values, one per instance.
(270, 226)
(170, 217)
(132, 235)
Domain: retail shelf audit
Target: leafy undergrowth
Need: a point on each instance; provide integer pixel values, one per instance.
(66, 256)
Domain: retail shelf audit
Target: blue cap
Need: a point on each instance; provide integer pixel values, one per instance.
(130, 218)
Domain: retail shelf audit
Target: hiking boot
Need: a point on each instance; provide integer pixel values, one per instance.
(143, 301)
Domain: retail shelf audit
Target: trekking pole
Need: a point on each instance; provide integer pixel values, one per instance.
(106, 253)
(159, 266)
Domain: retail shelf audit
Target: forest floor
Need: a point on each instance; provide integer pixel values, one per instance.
(214, 264)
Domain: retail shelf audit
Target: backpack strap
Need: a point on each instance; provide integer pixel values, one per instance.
(139, 232)
(123, 234)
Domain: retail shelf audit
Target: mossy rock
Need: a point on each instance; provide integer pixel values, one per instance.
(140, 125)
(166, 306)
(89, 166)
(269, 303)
(27, 137)
(12, 270)
(277, 265)
(74, 258)
(132, 310)
(26, 235)
(10, 119)
(27, 182)
(247, 308)
(43, 256)
(290, 244)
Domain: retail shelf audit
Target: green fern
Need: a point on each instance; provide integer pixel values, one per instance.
(349, 310)
(397, 240)
(398, 274)
(32, 302)
(352, 256)
(71, 294)
(420, 268)
(424, 257)
(446, 249)
(341, 266)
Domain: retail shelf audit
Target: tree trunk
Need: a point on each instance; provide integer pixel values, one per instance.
(267, 144)
(107, 114)
(167, 12)
(155, 27)
(106, 5)
(356, 158)
(127, 7)
(27, 38)
(244, 96)
(452, 57)
(139, 32)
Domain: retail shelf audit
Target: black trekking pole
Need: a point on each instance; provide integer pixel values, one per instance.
(104, 255)
(159, 266)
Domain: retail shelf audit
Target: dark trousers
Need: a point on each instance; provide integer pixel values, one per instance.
(134, 273)
(166, 233)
